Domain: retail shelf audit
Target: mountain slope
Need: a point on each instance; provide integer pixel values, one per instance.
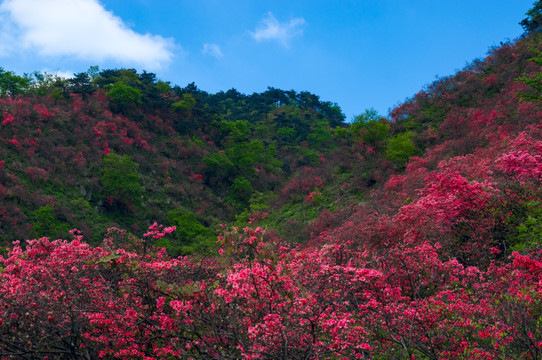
(125, 150)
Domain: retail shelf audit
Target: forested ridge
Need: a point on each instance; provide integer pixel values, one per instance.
(118, 148)
(168, 222)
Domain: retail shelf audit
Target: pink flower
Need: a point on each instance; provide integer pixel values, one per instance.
(14, 142)
(494, 250)
(8, 119)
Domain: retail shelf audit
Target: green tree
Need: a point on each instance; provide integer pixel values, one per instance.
(186, 104)
(528, 228)
(368, 115)
(533, 22)
(46, 223)
(49, 84)
(400, 148)
(163, 87)
(534, 82)
(219, 168)
(124, 97)
(109, 77)
(376, 132)
(239, 130)
(190, 236)
(371, 128)
(12, 84)
(81, 84)
(320, 135)
(242, 190)
(121, 183)
(308, 156)
(245, 155)
(286, 134)
(233, 131)
(333, 113)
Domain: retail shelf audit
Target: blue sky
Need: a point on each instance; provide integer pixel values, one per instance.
(359, 54)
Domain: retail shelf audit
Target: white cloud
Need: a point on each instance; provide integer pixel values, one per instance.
(213, 50)
(6, 35)
(271, 29)
(61, 74)
(79, 28)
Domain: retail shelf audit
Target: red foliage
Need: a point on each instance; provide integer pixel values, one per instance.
(263, 300)
(36, 174)
(8, 119)
(307, 180)
(15, 143)
(42, 110)
(524, 161)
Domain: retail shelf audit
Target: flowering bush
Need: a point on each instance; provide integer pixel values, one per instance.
(261, 299)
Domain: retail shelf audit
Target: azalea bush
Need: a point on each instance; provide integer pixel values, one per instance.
(260, 299)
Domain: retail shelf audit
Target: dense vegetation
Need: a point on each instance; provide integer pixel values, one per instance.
(413, 237)
(118, 148)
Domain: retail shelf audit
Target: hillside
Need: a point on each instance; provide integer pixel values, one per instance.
(123, 149)
(410, 237)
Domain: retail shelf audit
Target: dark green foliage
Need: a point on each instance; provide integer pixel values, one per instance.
(233, 131)
(241, 191)
(12, 84)
(368, 128)
(286, 134)
(246, 155)
(533, 80)
(533, 21)
(308, 157)
(81, 84)
(121, 182)
(320, 135)
(219, 168)
(332, 112)
(126, 76)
